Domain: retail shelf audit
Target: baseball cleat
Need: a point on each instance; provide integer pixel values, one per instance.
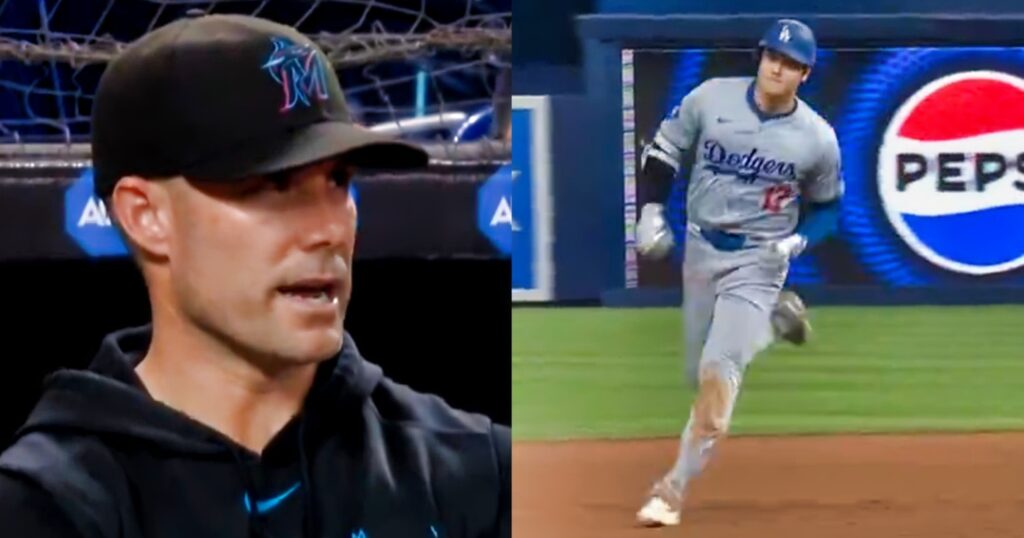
(662, 507)
(657, 513)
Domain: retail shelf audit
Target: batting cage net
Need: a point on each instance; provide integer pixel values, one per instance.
(435, 72)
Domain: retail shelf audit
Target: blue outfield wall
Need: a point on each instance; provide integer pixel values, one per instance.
(658, 7)
(547, 79)
(582, 207)
(664, 7)
(588, 128)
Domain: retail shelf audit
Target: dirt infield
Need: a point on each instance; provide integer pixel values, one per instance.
(836, 486)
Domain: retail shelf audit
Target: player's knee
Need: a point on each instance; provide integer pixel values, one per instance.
(720, 356)
(731, 358)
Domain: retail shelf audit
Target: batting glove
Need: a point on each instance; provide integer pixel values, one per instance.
(781, 251)
(653, 236)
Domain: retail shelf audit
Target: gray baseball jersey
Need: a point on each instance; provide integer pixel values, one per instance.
(750, 171)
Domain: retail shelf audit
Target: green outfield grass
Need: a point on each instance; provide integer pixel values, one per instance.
(614, 373)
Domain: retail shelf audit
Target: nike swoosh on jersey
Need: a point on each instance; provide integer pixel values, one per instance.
(267, 505)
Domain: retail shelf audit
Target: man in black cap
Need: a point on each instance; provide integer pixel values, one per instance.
(224, 150)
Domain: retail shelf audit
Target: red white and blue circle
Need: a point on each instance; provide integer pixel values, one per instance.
(947, 172)
(931, 139)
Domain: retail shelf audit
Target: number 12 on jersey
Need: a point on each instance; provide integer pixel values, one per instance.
(775, 196)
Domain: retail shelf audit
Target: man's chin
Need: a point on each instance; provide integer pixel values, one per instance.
(306, 344)
(320, 344)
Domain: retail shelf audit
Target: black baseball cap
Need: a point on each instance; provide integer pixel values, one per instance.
(225, 97)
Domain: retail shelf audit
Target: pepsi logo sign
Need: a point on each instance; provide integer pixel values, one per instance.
(951, 172)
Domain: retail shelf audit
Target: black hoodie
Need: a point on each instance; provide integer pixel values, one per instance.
(367, 458)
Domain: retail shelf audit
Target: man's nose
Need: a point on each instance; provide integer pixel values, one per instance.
(329, 212)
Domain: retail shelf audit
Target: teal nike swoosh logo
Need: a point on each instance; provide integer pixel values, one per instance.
(267, 505)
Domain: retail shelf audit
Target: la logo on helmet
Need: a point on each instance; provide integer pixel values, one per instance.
(784, 34)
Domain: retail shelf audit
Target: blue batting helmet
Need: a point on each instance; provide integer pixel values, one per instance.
(792, 38)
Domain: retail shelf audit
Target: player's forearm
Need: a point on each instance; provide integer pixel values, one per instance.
(659, 177)
(659, 165)
(819, 223)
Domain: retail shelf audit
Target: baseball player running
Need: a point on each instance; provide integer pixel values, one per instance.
(765, 185)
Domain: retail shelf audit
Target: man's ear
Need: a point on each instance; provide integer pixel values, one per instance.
(142, 211)
(807, 74)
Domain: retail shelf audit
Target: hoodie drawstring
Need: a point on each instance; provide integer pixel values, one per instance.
(253, 528)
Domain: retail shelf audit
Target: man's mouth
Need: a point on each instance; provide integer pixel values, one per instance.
(315, 290)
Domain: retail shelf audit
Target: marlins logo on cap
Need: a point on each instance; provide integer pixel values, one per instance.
(951, 172)
(298, 70)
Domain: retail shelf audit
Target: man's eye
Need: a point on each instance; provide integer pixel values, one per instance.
(342, 178)
(279, 181)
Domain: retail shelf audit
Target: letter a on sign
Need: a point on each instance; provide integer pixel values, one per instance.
(95, 213)
(503, 215)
